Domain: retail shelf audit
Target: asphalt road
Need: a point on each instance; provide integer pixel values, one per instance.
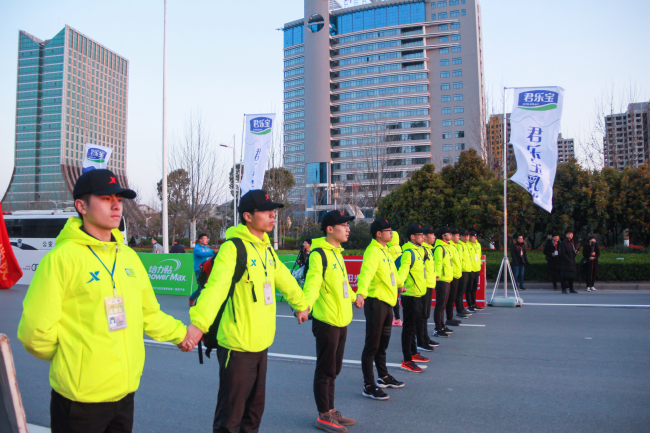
(540, 368)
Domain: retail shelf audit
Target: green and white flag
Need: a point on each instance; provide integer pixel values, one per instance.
(95, 157)
(259, 134)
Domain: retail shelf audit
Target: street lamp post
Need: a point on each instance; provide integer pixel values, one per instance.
(234, 181)
(335, 194)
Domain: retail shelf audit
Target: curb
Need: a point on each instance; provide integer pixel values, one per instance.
(600, 285)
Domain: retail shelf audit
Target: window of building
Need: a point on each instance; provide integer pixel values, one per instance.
(455, 49)
(455, 37)
(460, 146)
(456, 61)
(446, 110)
(463, 13)
(462, 2)
(459, 122)
(444, 86)
(444, 62)
(458, 85)
(446, 160)
(444, 74)
(442, 4)
(433, 17)
(455, 25)
(458, 97)
(446, 122)
(444, 38)
(453, 2)
(443, 27)
(458, 73)
(454, 14)
(442, 15)
(444, 50)
(446, 135)
(458, 110)
(447, 147)
(459, 134)
(446, 98)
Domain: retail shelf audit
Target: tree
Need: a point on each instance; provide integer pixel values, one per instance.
(238, 174)
(178, 191)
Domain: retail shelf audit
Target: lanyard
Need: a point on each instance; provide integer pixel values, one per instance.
(111, 273)
(340, 267)
(387, 259)
(264, 262)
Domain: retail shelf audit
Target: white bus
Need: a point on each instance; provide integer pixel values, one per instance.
(33, 233)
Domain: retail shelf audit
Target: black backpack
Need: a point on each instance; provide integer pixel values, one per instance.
(210, 338)
(301, 282)
(398, 262)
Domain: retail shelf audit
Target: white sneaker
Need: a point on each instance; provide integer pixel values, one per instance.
(589, 289)
(593, 289)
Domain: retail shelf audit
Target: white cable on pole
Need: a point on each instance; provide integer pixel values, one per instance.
(165, 216)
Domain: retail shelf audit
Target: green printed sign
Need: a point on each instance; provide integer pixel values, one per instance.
(170, 274)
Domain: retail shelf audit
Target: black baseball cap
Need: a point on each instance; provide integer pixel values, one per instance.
(333, 218)
(414, 229)
(463, 232)
(256, 199)
(443, 230)
(473, 233)
(454, 231)
(379, 225)
(429, 231)
(100, 182)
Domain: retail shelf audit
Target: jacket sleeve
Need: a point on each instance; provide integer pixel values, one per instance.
(368, 270)
(314, 278)
(405, 267)
(157, 325)
(437, 260)
(526, 257)
(42, 308)
(216, 289)
(200, 252)
(431, 270)
(288, 286)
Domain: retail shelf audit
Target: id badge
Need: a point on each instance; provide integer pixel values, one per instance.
(115, 313)
(346, 293)
(425, 273)
(476, 257)
(392, 278)
(268, 294)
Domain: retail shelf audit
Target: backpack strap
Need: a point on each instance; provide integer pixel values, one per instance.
(323, 256)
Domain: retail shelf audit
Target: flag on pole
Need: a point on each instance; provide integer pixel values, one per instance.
(95, 157)
(10, 271)
(535, 124)
(258, 138)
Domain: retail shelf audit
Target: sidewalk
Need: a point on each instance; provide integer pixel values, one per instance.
(600, 285)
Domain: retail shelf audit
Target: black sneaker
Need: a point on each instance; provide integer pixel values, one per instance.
(471, 310)
(523, 288)
(389, 382)
(573, 291)
(477, 308)
(440, 333)
(426, 348)
(433, 343)
(565, 292)
(374, 393)
(447, 330)
(453, 322)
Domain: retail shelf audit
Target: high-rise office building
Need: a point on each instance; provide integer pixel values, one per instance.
(71, 90)
(565, 149)
(627, 136)
(494, 134)
(376, 90)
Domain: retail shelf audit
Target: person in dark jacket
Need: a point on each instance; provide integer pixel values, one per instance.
(303, 254)
(568, 253)
(519, 260)
(591, 252)
(177, 248)
(552, 253)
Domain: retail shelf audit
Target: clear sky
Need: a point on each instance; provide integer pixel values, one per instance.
(225, 59)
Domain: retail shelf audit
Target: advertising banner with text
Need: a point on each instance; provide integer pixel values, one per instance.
(170, 274)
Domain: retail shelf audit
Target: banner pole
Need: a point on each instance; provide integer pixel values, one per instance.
(241, 155)
(505, 195)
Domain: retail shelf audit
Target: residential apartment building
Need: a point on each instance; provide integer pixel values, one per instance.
(376, 90)
(626, 137)
(565, 149)
(71, 90)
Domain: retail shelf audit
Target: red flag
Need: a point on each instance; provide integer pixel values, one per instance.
(10, 271)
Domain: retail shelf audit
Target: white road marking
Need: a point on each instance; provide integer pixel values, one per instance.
(590, 305)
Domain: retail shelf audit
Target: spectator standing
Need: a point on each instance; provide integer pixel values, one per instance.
(177, 248)
(568, 253)
(552, 253)
(157, 248)
(303, 254)
(202, 252)
(519, 260)
(591, 252)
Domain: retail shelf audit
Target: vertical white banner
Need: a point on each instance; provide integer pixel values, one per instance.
(535, 124)
(95, 157)
(257, 138)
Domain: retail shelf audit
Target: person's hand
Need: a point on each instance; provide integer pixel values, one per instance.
(192, 338)
(591, 258)
(403, 289)
(302, 316)
(359, 302)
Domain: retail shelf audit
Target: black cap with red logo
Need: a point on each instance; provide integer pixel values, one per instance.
(379, 225)
(414, 229)
(333, 218)
(100, 182)
(257, 199)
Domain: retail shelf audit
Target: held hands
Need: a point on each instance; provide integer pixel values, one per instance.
(302, 316)
(192, 338)
(359, 302)
(403, 289)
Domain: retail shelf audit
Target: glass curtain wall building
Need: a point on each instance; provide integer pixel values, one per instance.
(71, 91)
(376, 91)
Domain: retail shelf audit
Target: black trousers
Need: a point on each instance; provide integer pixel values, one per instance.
(442, 294)
(590, 276)
(462, 287)
(379, 320)
(567, 283)
(67, 416)
(421, 334)
(242, 391)
(330, 344)
(456, 286)
(555, 276)
(412, 315)
(472, 287)
(396, 310)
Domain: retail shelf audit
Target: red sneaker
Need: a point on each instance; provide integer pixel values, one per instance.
(418, 358)
(411, 366)
(397, 322)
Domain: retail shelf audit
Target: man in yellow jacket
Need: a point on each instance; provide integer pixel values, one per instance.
(395, 252)
(85, 312)
(472, 284)
(425, 343)
(412, 270)
(328, 291)
(378, 283)
(443, 258)
(247, 325)
(466, 266)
